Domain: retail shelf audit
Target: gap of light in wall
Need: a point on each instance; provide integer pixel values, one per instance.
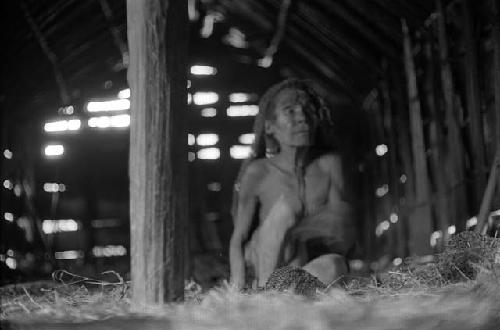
(247, 138)
(356, 264)
(191, 156)
(58, 226)
(207, 139)
(452, 229)
(124, 93)
(240, 151)
(242, 97)
(7, 184)
(110, 121)
(106, 223)
(214, 186)
(54, 187)
(471, 222)
(265, 62)
(69, 255)
(18, 190)
(393, 218)
(212, 216)
(67, 110)
(8, 216)
(62, 125)
(191, 139)
(109, 251)
(7, 154)
(402, 178)
(110, 105)
(242, 110)
(11, 263)
(208, 112)
(435, 236)
(203, 70)
(382, 191)
(381, 149)
(54, 150)
(204, 98)
(397, 261)
(382, 227)
(208, 153)
(235, 38)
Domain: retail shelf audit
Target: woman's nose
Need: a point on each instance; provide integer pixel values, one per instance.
(299, 113)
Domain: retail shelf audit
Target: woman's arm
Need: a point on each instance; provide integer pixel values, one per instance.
(247, 205)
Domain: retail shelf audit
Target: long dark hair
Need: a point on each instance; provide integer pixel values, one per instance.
(265, 146)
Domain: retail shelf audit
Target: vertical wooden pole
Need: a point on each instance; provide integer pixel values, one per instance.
(394, 174)
(421, 229)
(496, 68)
(404, 147)
(157, 35)
(496, 83)
(455, 160)
(477, 149)
(436, 139)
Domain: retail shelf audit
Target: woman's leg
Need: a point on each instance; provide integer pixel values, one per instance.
(327, 268)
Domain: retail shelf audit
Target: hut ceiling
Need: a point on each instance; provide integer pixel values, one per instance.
(339, 44)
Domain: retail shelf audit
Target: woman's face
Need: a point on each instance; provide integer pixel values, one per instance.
(292, 124)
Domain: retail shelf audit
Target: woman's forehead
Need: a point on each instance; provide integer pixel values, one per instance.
(291, 96)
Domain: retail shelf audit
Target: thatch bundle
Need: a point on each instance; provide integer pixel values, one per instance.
(295, 280)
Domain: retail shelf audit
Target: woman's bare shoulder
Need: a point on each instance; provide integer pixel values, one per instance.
(328, 160)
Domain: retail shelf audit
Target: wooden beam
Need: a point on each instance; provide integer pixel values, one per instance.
(420, 227)
(315, 18)
(51, 56)
(157, 35)
(456, 179)
(385, 22)
(475, 123)
(333, 8)
(115, 32)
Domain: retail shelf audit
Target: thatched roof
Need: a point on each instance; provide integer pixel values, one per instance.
(57, 50)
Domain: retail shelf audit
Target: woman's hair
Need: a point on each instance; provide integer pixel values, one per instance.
(265, 145)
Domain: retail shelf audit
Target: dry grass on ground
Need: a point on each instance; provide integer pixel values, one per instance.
(460, 290)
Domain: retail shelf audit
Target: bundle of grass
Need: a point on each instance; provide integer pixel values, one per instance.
(295, 280)
(465, 253)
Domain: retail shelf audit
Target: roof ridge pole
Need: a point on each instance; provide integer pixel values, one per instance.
(420, 226)
(158, 36)
(51, 56)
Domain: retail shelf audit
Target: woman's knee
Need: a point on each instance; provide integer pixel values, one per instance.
(327, 268)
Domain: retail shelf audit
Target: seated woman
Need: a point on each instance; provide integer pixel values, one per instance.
(290, 202)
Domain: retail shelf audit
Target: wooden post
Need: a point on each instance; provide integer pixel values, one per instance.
(404, 148)
(436, 140)
(455, 161)
(473, 104)
(482, 217)
(420, 230)
(394, 174)
(496, 68)
(157, 36)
